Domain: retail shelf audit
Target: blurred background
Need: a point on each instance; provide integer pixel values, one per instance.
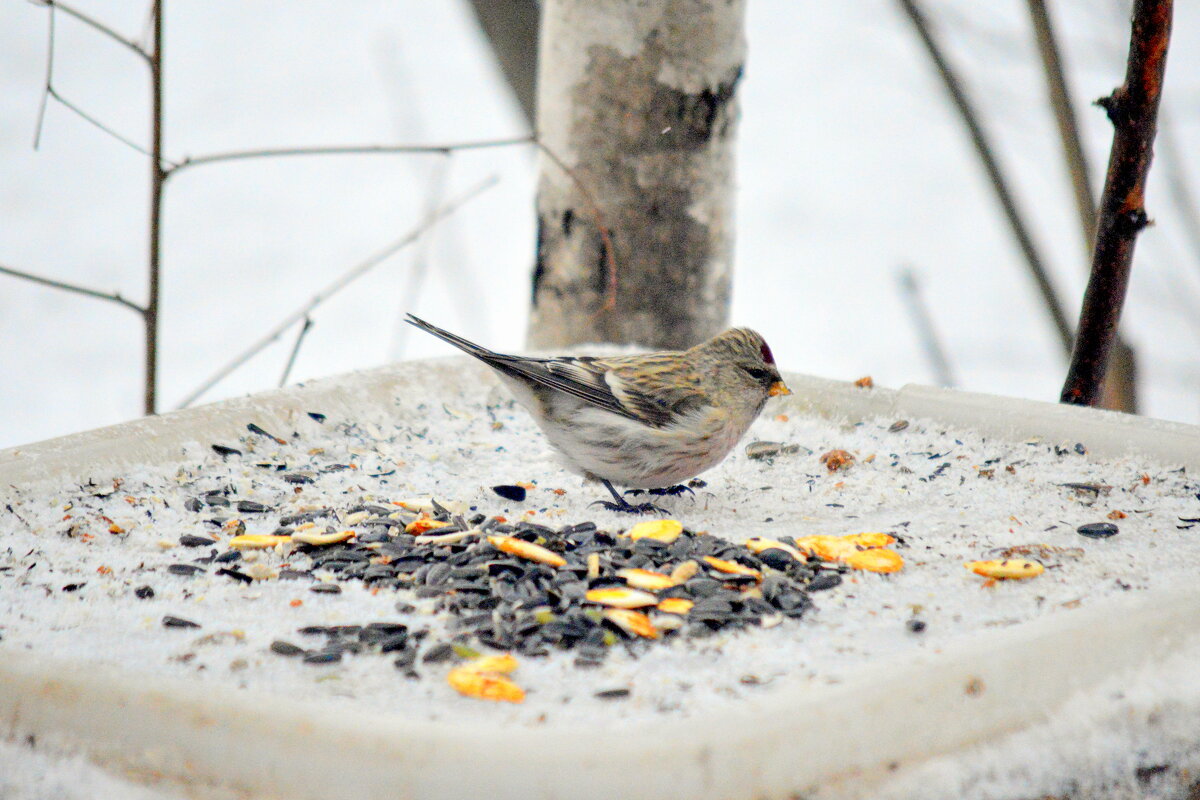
(852, 166)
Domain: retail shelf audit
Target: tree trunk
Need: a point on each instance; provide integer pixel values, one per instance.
(636, 116)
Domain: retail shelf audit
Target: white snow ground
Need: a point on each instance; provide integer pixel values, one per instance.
(850, 164)
(923, 483)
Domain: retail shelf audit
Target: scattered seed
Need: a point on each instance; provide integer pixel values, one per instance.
(898, 426)
(612, 694)
(527, 550)
(1007, 569)
(286, 648)
(730, 567)
(675, 605)
(257, 541)
(312, 537)
(188, 540)
(424, 525)
(326, 588)
(1098, 530)
(646, 579)
(685, 571)
(484, 685)
(184, 569)
(878, 559)
(661, 530)
(144, 592)
(621, 597)
(514, 493)
(178, 622)
(635, 623)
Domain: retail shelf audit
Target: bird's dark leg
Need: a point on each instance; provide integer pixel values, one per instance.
(671, 491)
(622, 504)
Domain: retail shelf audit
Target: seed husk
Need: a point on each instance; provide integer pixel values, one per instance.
(257, 541)
(878, 559)
(757, 545)
(312, 537)
(646, 579)
(731, 567)
(484, 685)
(661, 530)
(675, 605)
(621, 597)
(527, 550)
(632, 622)
(1006, 569)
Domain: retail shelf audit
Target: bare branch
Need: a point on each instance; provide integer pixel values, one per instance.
(336, 150)
(910, 291)
(71, 287)
(1064, 115)
(336, 286)
(610, 258)
(97, 123)
(1133, 110)
(287, 370)
(96, 25)
(47, 88)
(987, 157)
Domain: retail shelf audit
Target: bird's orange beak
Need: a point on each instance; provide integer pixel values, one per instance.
(778, 388)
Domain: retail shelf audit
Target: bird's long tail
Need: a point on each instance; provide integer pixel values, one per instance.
(447, 336)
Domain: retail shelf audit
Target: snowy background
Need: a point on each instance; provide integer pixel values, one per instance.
(852, 164)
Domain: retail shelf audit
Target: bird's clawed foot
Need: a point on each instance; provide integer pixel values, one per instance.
(671, 491)
(630, 508)
(623, 505)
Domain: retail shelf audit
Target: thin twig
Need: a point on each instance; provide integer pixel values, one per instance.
(1133, 110)
(95, 24)
(336, 286)
(910, 290)
(71, 287)
(987, 157)
(45, 101)
(610, 259)
(334, 150)
(1064, 116)
(89, 118)
(287, 370)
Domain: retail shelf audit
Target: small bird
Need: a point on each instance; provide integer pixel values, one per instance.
(644, 421)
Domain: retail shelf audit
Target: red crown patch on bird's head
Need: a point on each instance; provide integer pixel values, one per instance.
(766, 354)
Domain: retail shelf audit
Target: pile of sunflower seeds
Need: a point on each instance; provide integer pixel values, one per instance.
(496, 596)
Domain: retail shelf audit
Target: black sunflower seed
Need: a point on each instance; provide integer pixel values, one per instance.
(184, 569)
(514, 493)
(1098, 530)
(188, 540)
(178, 622)
(285, 648)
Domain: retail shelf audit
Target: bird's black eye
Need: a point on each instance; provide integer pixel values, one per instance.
(763, 376)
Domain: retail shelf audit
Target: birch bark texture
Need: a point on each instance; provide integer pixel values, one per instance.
(637, 111)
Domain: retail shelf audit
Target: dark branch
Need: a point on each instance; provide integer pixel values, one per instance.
(1133, 109)
(96, 25)
(987, 157)
(355, 272)
(71, 287)
(368, 149)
